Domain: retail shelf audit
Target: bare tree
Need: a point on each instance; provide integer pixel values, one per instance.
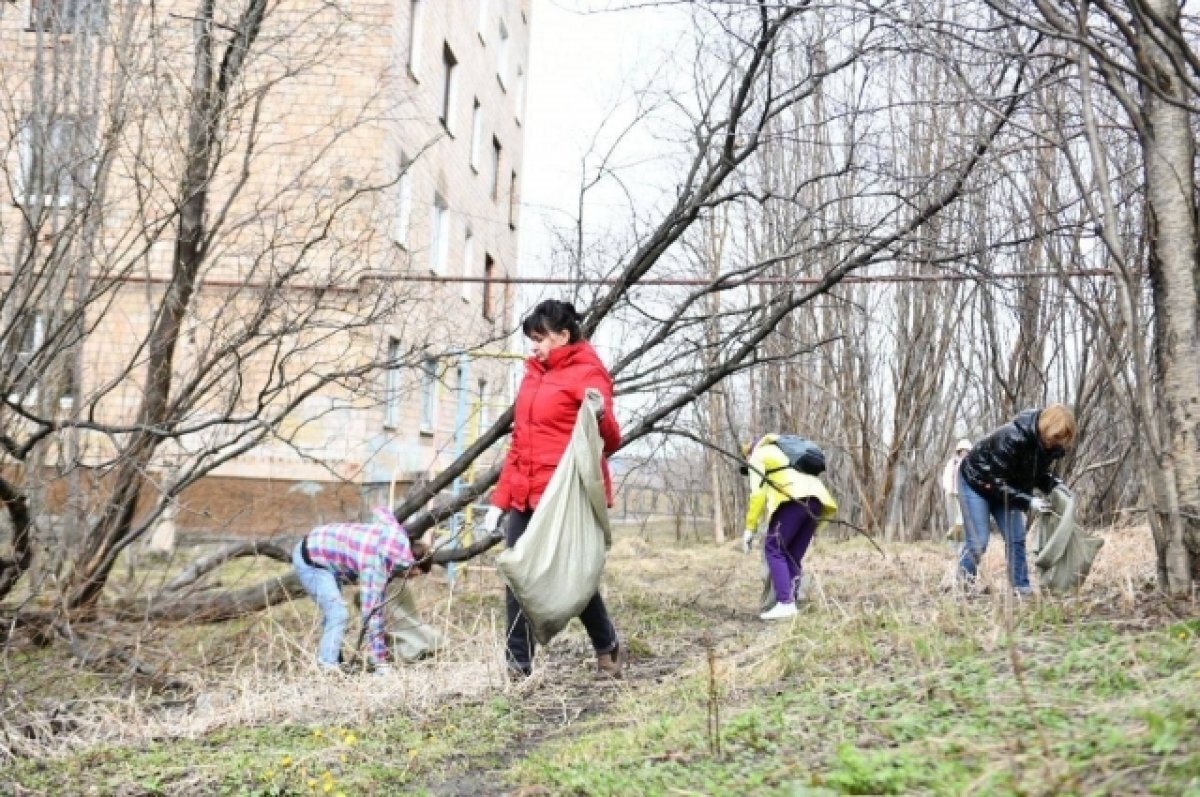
(800, 160)
(1141, 55)
(188, 270)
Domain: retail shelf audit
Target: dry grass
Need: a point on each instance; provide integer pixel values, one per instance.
(666, 599)
(260, 671)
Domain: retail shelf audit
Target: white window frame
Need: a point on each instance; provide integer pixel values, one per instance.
(449, 87)
(519, 94)
(66, 400)
(502, 48)
(468, 264)
(462, 393)
(476, 134)
(403, 221)
(439, 234)
(487, 307)
(24, 356)
(485, 420)
(416, 32)
(25, 154)
(428, 396)
(513, 200)
(497, 160)
(483, 17)
(392, 386)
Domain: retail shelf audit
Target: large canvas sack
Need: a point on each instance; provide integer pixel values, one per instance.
(1063, 553)
(412, 638)
(555, 568)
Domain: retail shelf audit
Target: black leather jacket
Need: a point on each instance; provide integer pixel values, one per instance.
(1010, 462)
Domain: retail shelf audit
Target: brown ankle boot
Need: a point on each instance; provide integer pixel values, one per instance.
(608, 665)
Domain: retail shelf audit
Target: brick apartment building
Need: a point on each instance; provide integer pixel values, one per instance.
(366, 150)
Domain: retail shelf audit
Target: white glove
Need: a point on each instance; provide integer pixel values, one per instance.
(747, 540)
(1040, 505)
(491, 520)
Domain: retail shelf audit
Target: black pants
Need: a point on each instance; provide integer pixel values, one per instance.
(521, 643)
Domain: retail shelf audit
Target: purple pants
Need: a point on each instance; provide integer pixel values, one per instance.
(788, 537)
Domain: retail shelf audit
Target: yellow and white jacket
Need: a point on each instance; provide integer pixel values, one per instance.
(772, 482)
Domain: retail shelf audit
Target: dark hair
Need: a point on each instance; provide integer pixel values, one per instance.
(552, 316)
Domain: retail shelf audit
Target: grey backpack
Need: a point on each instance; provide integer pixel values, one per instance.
(802, 454)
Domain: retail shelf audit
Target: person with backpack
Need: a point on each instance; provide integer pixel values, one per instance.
(784, 475)
(996, 480)
(562, 368)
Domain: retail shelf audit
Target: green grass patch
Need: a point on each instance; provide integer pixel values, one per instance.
(1107, 713)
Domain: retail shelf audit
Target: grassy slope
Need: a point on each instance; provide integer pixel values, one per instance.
(884, 705)
(884, 685)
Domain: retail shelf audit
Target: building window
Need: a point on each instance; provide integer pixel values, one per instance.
(403, 202)
(57, 165)
(485, 415)
(67, 16)
(502, 56)
(415, 34)
(462, 394)
(483, 14)
(69, 389)
(476, 133)
(449, 67)
(497, 156)
(468, 262)
(513, 201)
(391, 385)
(439, 234)
(519, 94)
(489, 271)
(429, 380)
(29, 336)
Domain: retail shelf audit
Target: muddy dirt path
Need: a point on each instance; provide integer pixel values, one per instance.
(564, 698)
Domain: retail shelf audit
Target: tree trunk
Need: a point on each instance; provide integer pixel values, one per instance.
(22, 543)
(210, 88)
(1169, 151)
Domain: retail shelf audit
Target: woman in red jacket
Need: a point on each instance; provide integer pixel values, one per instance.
(562, 367)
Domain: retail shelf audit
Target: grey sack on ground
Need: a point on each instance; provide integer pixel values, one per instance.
(1063, 553)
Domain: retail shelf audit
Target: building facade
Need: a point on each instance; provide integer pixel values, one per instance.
(276, 206)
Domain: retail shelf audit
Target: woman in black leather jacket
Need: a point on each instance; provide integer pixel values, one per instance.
(997, 479)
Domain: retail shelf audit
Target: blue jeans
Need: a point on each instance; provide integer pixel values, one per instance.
(976, 510)
(322, 587)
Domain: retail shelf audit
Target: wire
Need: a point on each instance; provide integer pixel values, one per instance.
(699, 282)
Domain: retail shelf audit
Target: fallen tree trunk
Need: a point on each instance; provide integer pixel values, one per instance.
(280, 550)
(211, 608)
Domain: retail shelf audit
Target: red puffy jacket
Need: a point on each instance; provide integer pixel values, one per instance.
(544, 417)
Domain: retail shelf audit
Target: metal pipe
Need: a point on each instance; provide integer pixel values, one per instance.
(690, 282)
(699, 282)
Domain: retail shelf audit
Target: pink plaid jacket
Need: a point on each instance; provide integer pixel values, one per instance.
(366, 554)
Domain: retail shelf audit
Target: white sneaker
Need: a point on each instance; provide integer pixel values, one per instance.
(780, 611)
